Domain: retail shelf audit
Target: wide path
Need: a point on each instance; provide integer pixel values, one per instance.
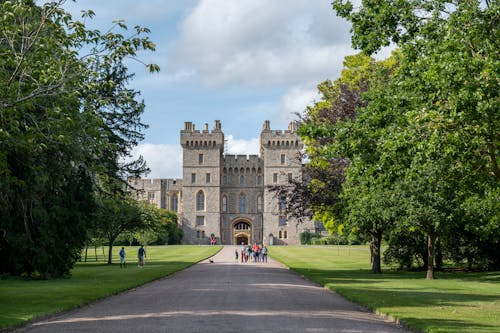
(223, 296)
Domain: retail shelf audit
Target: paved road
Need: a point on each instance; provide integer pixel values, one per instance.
(222, 296)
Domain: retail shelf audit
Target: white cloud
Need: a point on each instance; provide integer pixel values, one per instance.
(260, 43)
(242, 147)
(164, 160)
(295, 101)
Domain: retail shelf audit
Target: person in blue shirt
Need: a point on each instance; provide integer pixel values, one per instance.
(122, 258)
(141, 254)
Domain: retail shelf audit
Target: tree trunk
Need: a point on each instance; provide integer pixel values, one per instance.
(376, 242)
(86, 252)
(110, 253)
(431, 253)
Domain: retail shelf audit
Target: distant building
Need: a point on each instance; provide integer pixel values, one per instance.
(228, 196)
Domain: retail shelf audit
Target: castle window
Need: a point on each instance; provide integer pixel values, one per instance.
(259, 204)
(200, 220)
(224, 180)
(259, 180)
(282, 210)
(151, 196)
(174, 203)
(280, 235)
(224, 204)
(203, 234)
(200, 201)
(193, 178)
(197, 233)
(242, 180)
(283, 158)
(208, 178)
(275, 178)
(200, 158)
(290, 177)
(285, 235)
(242, 203)
(269, 143)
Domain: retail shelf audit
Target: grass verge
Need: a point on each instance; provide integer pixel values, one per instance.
(24, 300)
(454, 302)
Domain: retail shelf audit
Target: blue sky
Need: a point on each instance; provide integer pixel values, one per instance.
(238, 61)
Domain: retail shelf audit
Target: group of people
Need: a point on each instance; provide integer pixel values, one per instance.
(141, 254)
(252, 253)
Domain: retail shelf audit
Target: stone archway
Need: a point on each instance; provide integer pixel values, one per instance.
(242, 232)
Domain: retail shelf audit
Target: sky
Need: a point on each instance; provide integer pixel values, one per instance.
(237, 61)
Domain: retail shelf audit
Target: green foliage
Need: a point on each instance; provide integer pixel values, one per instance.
(66, 119)
(421, 138)
(306, 237)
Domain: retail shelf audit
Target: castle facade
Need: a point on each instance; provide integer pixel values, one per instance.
(227, 197)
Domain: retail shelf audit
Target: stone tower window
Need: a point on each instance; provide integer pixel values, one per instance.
(174, 203)
(242, 203)
(275, 178)
(200, 158)
(200, 201)
(224, 204)
(242, 180)
(259, 180)
(200, 220)
(259, 204)
(193, 178)
(290, 177)
(224, 180)
(283, 158)
(208, 178)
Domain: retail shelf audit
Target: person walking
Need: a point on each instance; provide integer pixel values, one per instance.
(141, 254)
(263, 251)
(122, 258)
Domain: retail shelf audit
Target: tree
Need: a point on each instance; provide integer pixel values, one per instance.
(61, 112)
(447, 93)
(117, 215)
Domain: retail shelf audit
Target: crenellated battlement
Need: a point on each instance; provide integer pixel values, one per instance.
(192, 138)
(242, 161)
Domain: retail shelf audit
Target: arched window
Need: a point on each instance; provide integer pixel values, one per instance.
(242, 203)
(224, 204)
(242, 180)
(174, 203)
(200, 201)
(259, 204)
(280, 235)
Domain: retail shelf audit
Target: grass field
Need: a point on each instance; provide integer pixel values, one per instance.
(23, 300)
(454, 302)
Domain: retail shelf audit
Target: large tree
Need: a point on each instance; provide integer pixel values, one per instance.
(447, 93)
(66, 119)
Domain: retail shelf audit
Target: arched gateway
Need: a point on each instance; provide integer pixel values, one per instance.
(242, 232)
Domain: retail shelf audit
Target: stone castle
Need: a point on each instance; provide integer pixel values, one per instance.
(227, 197)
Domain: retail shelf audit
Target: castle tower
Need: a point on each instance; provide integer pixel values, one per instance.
(201, 155)
(280, 153)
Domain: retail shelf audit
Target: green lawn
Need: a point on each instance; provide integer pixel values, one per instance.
(23, 300)
(454, 302)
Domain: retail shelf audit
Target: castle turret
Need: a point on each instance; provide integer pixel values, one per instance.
(280, 151)
(202, 153)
